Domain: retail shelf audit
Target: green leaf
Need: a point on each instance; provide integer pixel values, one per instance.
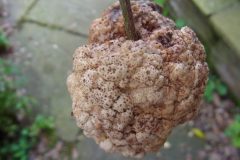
(25, 132)
(208, 94)
(221, 89)
(236, 142)
(180, 23)
(161, 2)
(233, 132)
(237, 118)
(166, 11)
(4, 44)
(198, 133)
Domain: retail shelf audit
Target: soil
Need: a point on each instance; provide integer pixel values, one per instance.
(213, 119)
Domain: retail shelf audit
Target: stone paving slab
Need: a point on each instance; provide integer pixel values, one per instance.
(212, 6)
(45, 56)
(226, 61)
(181, 146)
(75, 15)
(186, 9)
(16, 8)
(227, 23)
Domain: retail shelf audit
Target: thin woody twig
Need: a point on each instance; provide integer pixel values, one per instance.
(128, 20)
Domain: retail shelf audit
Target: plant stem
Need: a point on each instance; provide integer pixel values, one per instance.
(128, 20)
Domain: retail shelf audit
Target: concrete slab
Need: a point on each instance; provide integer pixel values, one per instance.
(45, 56)
(75, 15)
(212, 6)
(226, 61)
(227, 24)
(181, 146)
(16, 8)
(187, 10)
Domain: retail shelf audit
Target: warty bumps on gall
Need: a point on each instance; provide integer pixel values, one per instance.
(129, 95)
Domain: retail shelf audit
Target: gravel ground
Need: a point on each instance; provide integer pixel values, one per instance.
(212, 120)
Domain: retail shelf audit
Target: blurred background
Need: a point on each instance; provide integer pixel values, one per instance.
(37, 40)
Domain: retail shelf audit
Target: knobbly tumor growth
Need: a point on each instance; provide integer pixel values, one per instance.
(129, 95)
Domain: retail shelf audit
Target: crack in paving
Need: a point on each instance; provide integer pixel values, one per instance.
(23, 19)
(55, 27)
(27, 11)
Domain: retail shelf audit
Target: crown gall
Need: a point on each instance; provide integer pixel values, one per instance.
(129, 95)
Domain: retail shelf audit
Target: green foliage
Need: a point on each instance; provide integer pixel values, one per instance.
(233, 132)
(163, 4)
(160, 2)
(214, 85)
(18, 132)
(4, 43)
(180, 23)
